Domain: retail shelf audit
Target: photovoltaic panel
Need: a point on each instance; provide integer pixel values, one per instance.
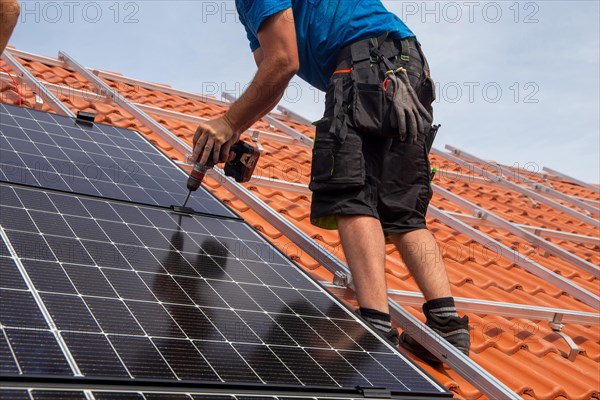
(52, 151)
(139, 292)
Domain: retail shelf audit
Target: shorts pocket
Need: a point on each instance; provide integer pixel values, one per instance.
(336, 165)
(368, 108)
(373, 111)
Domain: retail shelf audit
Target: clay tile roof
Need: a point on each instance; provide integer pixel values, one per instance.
(523, 353)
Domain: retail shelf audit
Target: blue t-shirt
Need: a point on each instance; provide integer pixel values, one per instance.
(323, 27)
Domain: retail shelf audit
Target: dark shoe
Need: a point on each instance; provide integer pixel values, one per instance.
(454, 329)
(393, 336)
(415, 348)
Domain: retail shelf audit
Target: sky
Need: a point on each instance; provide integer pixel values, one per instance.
(517, 82)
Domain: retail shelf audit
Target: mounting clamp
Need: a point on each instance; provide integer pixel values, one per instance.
(255, 134)
(340, 279)
(85, 118)
(374, 392)
(557, 327)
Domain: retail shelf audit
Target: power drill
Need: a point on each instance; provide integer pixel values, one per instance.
(240, 168)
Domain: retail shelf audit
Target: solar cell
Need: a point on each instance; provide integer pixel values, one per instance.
(52, 151)
(139, 292)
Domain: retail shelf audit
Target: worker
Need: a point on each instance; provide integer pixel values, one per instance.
(370, 174)
(9, 14)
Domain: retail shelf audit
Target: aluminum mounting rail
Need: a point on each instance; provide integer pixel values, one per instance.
(500, 222)
(543, 232)
(300, 137)
(504, 173)
(278, 184)
(36, 86)
(294, 116)
(474, 373)
(524, 262)
(576, 181)
(454, 175)
(477, 306)
(517, 188)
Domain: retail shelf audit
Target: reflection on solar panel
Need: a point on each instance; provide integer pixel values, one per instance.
(95, 289)
(52, 151)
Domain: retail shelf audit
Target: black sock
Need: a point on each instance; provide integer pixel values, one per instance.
(379, 320)
(442, 307)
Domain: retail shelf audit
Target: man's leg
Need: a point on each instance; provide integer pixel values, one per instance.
(423, 258)
(364, 247)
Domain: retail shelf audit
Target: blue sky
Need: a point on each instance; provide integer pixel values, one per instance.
(518, 82)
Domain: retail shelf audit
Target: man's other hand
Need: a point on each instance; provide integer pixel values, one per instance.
(214, 137)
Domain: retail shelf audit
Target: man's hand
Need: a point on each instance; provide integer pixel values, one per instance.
(214, 137)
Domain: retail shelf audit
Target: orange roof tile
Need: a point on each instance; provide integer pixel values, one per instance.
(524, 354)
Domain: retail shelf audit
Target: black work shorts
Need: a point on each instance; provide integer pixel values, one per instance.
(357, 173)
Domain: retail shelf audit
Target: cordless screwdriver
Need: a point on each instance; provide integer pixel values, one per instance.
(240, 168)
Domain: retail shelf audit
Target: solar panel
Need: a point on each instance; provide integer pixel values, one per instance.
(135, 292)
(52, 151)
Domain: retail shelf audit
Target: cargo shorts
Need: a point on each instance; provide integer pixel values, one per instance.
(356, 172)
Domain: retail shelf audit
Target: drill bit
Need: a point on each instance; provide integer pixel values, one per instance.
(187, 197)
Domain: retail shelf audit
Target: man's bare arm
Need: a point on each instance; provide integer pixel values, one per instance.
(258, 58)
(9, 14)
(278, 63)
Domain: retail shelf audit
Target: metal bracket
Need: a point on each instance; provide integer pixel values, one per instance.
(557, 327)
(479, 213)
(534, 203)
(181, 210)
(341, 279)
(255, 134)
(85, 118)
(39, 102)
(374, 392)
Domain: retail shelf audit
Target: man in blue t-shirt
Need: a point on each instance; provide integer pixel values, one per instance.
(370, 173)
